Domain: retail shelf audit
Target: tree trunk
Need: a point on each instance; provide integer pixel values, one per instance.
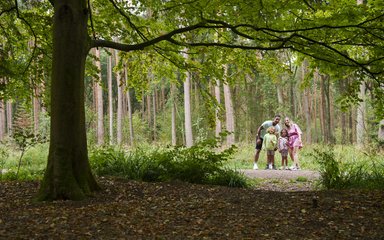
(9, 117)
(119, 116)
(217, 111)
(229, 118)
(380, 134)
(110, 99)
(99, 101)
(131, 136)
(68, 174)
(360, 120)
(306, 104)
(149, 115)
(2, 120)
(322, 106)
(154, 115)
(187, 110)
(36, 110)
(173, 99)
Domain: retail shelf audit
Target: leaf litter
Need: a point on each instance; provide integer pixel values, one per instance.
(175, 210)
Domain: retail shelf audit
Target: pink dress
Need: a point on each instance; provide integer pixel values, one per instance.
(294, 134)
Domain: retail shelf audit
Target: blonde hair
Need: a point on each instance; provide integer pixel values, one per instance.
(271, 129)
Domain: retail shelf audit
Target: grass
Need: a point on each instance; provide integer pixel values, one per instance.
(345, 167)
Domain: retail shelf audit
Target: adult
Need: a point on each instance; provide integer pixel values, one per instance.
(294, 142)
(261, 131)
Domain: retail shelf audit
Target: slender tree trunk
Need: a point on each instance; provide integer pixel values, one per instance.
(9, 117)
(322, 106)
(217, 111)
(154, 116)
(110, 100)
(315, 108)
(68, 174)
(187, 110)
(229, 118)
(36, 110)
(360, 120)
(149, 115)
(99, 101)
(119, 116)
(280, 98)
(131, 133)
(2, 120)
(306, 104)
(173, 99)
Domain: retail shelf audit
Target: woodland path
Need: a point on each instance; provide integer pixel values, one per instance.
(281, 174)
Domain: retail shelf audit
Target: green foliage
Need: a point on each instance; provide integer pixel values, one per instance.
(31, 168)
(336, 173)
(198, 164)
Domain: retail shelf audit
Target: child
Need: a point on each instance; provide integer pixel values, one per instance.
(283, 149)
(270, 144)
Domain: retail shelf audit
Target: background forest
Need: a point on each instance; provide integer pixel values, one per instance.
(184, 96)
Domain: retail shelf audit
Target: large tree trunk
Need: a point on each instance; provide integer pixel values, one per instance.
(68, 174)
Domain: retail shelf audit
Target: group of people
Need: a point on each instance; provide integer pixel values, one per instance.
(272, 138)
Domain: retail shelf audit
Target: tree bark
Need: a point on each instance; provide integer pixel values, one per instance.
(154, 115)
(36, 110)
(68, 174)
(9, 117)
(217, 111)
(173, 127)
(119, 116)
(110, 100)
(187, 110)
(99, 101)
(229, 118)
(129, 105)
(360, 120)
(306, 104)
(2, 120)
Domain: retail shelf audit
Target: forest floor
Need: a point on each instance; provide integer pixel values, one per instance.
(276, 208)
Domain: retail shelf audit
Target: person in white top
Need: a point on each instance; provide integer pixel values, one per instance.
(261, 131)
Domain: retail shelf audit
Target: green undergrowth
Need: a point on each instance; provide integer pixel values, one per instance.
(346, 169)
(202, 164)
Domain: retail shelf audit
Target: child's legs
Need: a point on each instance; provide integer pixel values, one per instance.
(284, 161)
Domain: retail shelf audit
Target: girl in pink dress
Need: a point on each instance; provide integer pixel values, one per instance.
(294, 142)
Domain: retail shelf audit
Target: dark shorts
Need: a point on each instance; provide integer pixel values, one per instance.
(259, 146)
(284, 153)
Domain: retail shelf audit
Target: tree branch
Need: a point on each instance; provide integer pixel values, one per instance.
(33, 33)
(8, 10)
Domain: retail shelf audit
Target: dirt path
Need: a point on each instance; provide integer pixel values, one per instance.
(281, 174)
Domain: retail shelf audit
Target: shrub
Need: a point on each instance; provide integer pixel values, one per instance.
(342, 174)
(198, 164)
